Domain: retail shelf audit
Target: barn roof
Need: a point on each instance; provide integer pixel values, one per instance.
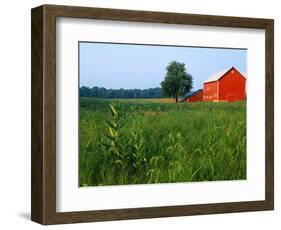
(188, 95)
(216, 76)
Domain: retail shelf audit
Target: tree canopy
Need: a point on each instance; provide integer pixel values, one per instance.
(177, 81)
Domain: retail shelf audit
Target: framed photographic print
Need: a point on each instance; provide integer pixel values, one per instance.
(140, 114)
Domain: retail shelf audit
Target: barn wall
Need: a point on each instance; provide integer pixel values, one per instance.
(196, 97)
(210, 91)
(232, 87)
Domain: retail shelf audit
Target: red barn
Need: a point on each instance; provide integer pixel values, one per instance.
(194, 96)
(228, 85)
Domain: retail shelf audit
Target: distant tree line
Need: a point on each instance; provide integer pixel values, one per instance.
(101, 92)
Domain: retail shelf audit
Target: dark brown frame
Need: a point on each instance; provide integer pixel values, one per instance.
(43, 188)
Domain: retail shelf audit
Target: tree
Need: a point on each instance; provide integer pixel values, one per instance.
(177, 81)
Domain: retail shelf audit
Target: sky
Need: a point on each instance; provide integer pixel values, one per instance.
(127, 66)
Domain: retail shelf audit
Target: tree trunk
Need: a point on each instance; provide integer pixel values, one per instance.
(176, 99)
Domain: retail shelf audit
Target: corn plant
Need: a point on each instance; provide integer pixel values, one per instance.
(112, 141)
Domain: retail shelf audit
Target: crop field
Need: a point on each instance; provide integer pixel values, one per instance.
(143, 141)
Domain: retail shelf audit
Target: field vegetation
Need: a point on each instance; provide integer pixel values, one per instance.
(140, 141)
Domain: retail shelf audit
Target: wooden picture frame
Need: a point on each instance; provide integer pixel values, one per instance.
(43, 202)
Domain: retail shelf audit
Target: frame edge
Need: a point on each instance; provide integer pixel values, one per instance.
(269, 105)
(37, 190)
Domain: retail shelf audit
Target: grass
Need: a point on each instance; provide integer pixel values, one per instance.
(151, 141)
(161, 100)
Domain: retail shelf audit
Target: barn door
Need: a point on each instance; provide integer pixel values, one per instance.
(231, 97)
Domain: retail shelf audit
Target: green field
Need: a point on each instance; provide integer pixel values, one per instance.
(138, 141)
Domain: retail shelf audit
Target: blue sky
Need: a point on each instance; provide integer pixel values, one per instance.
(142, 66)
